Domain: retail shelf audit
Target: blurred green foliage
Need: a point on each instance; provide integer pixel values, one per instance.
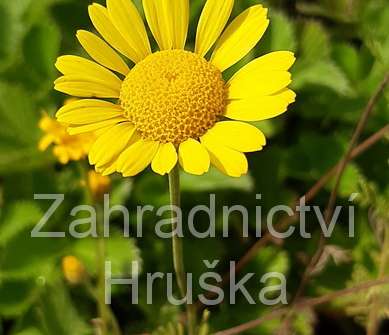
(342, 47)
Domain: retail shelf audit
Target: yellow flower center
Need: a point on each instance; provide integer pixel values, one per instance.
(173, 95)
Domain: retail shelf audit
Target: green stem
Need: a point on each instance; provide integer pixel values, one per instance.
(105, 313)
(178, 254)
(94, 294)
(100, 260)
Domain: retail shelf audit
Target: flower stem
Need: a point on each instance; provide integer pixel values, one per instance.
(105, 313)
(100, 259)
(178, 253)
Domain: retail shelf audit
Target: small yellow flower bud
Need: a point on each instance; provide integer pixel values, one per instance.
(98, 184)
(73, 270)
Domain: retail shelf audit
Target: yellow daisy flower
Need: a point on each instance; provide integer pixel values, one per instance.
(173, 104)
(66, 147)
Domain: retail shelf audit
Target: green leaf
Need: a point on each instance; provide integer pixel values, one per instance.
(271, 259)
(375, 19)
(350, 181)
(375, 30)
(17, 296)
(121, 252)
(214, 180)
(121, 191)
(19, 216)
(41, 46)
(21, 160)
(5, 32)
(20, 126)
(25, 257)
(12, 29)
(59, 315)
(303, 322)
(315, 43)
(282, 32)
(30, 331)
(337, 10)
(19, 117)
(321, 73)
(313, 155)
(349, 59)
(17, 17)
(357, 63)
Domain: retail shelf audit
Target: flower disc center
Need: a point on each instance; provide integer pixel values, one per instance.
(173, 95)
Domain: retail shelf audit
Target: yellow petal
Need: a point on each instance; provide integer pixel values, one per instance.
(240, 37)
(85, 87)
(260, 108)
(125, 17)
(85, 103)
(101, 52)
(46, 122)
(45, 142)
(258, 84)
(88, 111)
(85, 78)
(109, 145)
(74, 130)
(228, 161)
(274, 61)
(62, 154)
(193, 157)
(75, 153)
(165, 159)
(106, 169)
(74, 65)
(212, 21)
(103, 24)
(158, 17)
(181, 23)
(102, 131)
(287, 95)
(137, 157)
(236, 135)
(168, 21)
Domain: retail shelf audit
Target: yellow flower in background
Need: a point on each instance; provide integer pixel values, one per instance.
(173, 105)
(73, 270)
(98, 184)
(65, 147)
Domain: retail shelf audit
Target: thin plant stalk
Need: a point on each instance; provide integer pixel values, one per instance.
(100, 261)
(105, 313)
(178, 252)
(113, 321)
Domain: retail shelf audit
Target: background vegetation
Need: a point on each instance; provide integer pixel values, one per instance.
(343, 54)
